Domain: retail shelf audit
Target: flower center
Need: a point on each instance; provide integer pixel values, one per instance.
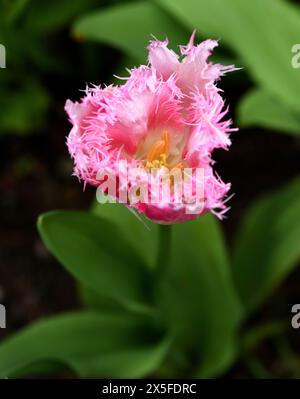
(158, 154)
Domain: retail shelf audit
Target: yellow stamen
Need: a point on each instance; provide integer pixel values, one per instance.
(157, 156)
(158, 153)
(156, 150)
(166, 139)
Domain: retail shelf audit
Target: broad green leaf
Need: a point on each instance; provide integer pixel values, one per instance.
(198, 296)
(261, 32)
(141, 233)
(129, 27)
(97, 254)
(93, 300)
(89, 343)
(259, 108)
(267, 245)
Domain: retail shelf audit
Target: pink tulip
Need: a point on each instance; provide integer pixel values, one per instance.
(166, 117)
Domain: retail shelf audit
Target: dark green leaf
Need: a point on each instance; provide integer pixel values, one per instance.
(141, 233)
(199, 297)
(267, 246)
(97, 254)
(259, 108)
(49, 16)
(24, 110)
(89, 343)
(16, 9)
(128, 27)
(93, 300)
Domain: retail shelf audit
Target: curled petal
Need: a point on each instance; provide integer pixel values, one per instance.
(164, 60)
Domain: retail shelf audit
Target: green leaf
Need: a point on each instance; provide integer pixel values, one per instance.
(199, 300)
(141, 233)
(267, 245)
(23, 111)
(259, 108)
(16, 9)
(89, 343)
(50, 16)
(97, 254)
(141, 20)
(93, 300)
(261, 32)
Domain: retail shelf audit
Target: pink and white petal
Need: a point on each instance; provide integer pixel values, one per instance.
(185, 50)
(165, 110)
(76, 111)
(131, 121)
(168, 214)
(162, 59)
(194, 71)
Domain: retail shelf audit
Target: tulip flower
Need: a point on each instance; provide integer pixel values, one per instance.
(166, 119)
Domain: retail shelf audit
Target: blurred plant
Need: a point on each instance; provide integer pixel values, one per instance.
(30, 29)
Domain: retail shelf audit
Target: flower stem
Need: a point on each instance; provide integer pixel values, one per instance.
(164, 247)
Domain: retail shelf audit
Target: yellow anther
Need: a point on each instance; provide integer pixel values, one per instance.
(159, 151)
(163, 158)
(166, 139)
(156, 150)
